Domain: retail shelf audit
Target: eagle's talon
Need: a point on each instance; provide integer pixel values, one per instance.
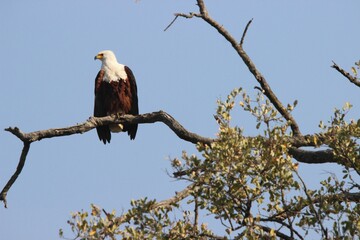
(119, 114)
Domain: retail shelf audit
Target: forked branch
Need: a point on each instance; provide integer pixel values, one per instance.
(238, 47)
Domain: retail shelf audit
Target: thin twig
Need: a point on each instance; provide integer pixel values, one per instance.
(190, 15)
(168, 26)
(286, 207)
(312, 207)
(245, 31)
(278, 233)
(281, 222)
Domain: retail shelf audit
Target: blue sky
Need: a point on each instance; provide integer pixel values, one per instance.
(47, 75)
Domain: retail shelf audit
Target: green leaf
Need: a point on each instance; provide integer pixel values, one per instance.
(354, 71)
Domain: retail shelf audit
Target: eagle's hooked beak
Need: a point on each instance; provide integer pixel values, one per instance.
(99, 56)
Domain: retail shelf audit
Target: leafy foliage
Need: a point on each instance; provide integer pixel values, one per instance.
(356, 68)
(141, 222)
(251, 185)
(343, 138)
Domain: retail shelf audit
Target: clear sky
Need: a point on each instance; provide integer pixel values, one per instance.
(47, 74)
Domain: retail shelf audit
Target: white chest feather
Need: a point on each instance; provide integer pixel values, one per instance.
(114, 72)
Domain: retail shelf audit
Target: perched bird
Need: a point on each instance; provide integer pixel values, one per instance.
(115, 93)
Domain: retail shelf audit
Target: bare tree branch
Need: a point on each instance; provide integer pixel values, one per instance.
(172, 22)
(94, 122)
(13, 178)
(352, 79)
(190, 15)
(248, 62)
(245, 31)
(91, 123)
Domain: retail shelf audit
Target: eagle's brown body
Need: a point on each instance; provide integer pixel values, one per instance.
(117, 96)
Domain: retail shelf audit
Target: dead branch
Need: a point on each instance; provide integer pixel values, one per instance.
(91, 123)
(94, 122)
(245, 31)
(246, 59)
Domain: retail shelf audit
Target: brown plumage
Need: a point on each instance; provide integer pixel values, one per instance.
(115, 96)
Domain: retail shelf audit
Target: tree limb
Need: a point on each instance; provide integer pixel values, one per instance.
(352, 79)
(94, 122)
(314, 157)
(248, 62)
(91, 123)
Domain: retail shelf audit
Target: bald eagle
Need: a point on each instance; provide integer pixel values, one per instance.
(115, 93)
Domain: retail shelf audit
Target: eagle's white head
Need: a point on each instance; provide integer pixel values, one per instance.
(106, 56)
(113, 70)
